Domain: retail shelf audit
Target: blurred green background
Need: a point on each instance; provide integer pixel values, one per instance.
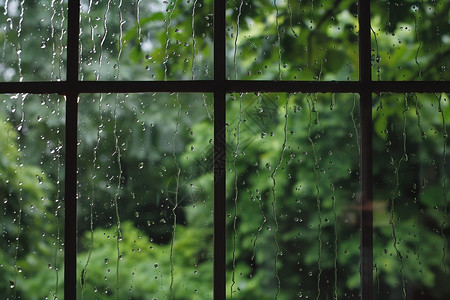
(145, 183)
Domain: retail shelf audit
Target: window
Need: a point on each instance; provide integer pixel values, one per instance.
(224, 149)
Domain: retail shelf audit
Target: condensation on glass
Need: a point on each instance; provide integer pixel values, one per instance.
(33, 40)
(146, 40)
(410, 40)
(411, 195)
(292, 40)
(145, 196)
(32, 196)
(293, 200)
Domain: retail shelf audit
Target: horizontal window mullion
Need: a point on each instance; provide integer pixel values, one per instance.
(409, 86)
(208, 86)
(339, 86)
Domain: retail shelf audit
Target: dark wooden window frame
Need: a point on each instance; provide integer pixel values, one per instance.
(220, 86)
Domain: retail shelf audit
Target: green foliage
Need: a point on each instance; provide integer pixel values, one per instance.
(144, 267)
(145, 160)
(28, 221)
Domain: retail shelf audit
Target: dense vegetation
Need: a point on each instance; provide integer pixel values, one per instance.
(145, 195)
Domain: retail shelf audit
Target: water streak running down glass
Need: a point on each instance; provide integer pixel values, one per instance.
(293, 196)
(146, 40)
(32, 194)
(410, 40)
(292, 40)
(145, 196)
(411, 196)
(33, 40)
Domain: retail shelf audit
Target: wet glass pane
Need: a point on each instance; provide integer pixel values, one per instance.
(411, 194)
(146, 40)
(32, 196)
(293, 196)
(410, 40)
(292, 40)
(33, 40)
(145, 196)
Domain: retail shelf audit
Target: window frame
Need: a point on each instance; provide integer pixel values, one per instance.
(220, 87)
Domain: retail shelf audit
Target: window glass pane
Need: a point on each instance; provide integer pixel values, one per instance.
(32, 194)
(33, 39)
(410, 40)
(293, 196)
(146, 40)
(411, 194)
(145, 196)
(292, 40)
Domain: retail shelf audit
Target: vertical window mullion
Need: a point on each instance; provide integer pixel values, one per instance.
(70, 210)
(365, 77)
(219, 151)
